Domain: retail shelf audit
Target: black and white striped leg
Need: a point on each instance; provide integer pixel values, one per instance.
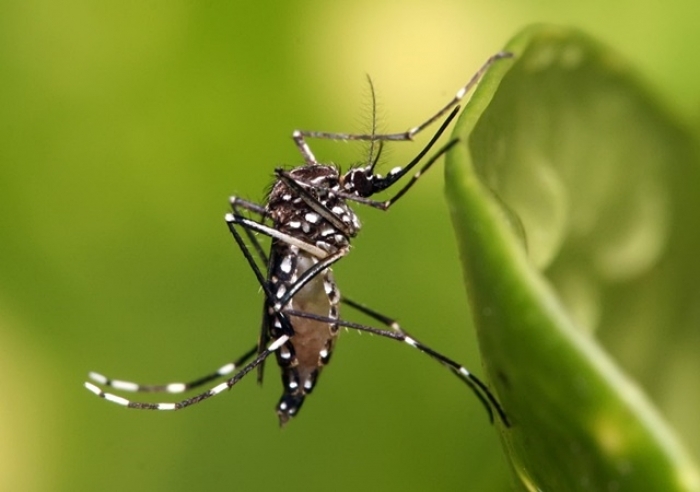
(300, 136)
(385, 320)
(172, 388)
(394, 325)
(480, 389)
(195, 399)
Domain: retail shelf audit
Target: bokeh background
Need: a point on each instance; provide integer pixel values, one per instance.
(124, 128)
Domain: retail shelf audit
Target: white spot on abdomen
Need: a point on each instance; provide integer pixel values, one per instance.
(286, 264)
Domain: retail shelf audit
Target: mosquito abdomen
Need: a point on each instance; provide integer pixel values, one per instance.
(309, 349)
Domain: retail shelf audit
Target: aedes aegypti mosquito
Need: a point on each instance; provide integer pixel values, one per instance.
(310, 224)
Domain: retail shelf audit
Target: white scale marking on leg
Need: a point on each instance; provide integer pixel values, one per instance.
(116, 399)
(227, 369)
(218, 389)
(97, 377)
(124, 385)
(396, 170)
(176, 387)
(278, 343)
(167, 406)
(293, 385)
(269, 231)
(410, 341)
(94, 389)
(463, 370)
(323, 353)
(308, 384)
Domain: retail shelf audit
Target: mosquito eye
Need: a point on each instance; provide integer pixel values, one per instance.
(362, 185)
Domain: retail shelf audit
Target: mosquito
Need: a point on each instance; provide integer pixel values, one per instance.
(310, 223)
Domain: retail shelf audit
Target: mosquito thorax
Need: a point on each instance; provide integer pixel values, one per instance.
(292, 215)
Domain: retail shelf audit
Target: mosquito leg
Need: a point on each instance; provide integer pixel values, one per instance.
(394, 325)
(236, 205)
(458, 96)
(264, 336)
(121, 385)
(385, 320)
(395, 174)
(286, 325)
(388, 203)
(277, 300)
(475, 384)
(300, 135)
(198, 398)
(256, 208)
(234, 219)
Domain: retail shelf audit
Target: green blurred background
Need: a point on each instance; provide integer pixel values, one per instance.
(125, 127)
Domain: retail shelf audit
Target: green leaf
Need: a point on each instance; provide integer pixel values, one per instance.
(572, 197)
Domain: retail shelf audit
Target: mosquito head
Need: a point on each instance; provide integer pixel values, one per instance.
(359, 181)
(362, 181)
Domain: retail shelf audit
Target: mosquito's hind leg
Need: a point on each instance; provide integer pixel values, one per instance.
(479, 388)
(228, 384)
